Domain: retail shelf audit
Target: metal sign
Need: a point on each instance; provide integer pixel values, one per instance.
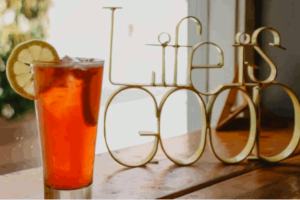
(206, 110)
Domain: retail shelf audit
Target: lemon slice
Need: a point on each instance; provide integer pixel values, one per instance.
(18, 69)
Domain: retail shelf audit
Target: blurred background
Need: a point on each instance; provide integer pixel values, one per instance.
(19, 146)
(82, 28)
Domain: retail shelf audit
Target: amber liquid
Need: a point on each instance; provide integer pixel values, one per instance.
(67, 106)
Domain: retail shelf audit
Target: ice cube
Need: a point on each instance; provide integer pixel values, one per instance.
(80, 66)
(86, 59)
(69, 59)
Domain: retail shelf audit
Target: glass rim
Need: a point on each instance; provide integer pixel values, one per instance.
(95, 63)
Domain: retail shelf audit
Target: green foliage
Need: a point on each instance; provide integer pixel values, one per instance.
(20, 20)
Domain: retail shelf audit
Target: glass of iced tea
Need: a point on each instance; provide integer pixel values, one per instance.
(67, 96)
(67, 105)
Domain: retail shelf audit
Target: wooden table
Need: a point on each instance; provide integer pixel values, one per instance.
(207, 178)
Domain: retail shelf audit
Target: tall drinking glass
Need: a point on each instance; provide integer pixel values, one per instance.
(67, 106)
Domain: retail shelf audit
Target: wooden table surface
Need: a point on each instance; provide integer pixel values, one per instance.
(207, 178)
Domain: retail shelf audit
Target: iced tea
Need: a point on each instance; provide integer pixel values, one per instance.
(67, 103)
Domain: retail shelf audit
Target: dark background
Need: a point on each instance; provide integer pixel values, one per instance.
(284, 17)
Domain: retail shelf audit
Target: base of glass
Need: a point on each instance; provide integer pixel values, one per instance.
(81, 193)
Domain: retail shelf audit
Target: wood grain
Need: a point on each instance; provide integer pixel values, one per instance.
(161, 180)
(281, 181)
